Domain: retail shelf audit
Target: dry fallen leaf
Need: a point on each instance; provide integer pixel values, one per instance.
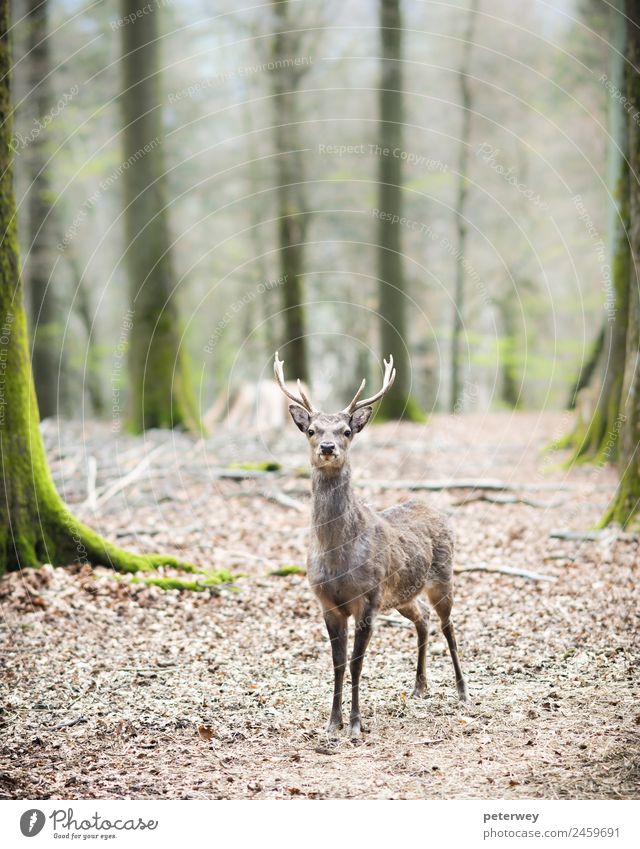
(206, 732)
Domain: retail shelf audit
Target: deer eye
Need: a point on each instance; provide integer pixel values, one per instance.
(347, 432)
(310, 432)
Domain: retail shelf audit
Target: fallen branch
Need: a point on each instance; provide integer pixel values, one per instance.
(69, 723)
(392, 620)
(129, 478)
(506, 570)
(608, 534)
(152, 532)
(282, 499)
(439, 485)
(508, 499)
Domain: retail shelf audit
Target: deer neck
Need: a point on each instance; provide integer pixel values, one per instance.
(336, 513)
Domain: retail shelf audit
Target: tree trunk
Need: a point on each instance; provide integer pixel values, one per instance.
(46, 317)
(392, 299)
(292, 211)
(625, 508)
(511, 385)
(587, 369)
(596, 442)
(461, 223)
(160, 391)
(35, 526)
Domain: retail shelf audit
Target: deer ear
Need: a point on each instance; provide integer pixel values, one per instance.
(360, 418)
(301, 417)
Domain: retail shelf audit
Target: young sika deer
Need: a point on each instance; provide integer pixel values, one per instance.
(362, 562)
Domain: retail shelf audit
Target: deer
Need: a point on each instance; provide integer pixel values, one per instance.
(362, 563)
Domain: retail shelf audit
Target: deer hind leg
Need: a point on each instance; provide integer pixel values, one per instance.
(418, 613)
(441, 597)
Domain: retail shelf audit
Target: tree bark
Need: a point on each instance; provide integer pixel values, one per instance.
(511, 384)
(292, 210)
(46, 317)
(625, 508)
(596, 443)
(392, 288)
(160, 390)
(461, 203)
(587, 369)
(35, 525)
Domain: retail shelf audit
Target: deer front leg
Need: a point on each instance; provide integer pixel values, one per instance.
(364, 629)
(336, 623)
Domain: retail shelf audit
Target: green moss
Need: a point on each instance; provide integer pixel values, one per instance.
(210, 581)
(265, 466)
(289, 569)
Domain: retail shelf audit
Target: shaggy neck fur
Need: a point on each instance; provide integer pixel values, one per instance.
(336, 514)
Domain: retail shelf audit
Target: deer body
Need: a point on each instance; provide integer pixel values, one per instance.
(362, 562)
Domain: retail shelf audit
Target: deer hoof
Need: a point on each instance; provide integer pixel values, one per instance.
(463, 693)
(421, 690)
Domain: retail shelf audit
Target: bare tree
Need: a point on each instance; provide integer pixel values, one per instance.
(595, 441)
(290, 187)
(461, 203)
(46, 312)
(392, 287)
(160, 391)
(625, 508)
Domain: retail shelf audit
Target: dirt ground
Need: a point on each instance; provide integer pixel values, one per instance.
(112, 689)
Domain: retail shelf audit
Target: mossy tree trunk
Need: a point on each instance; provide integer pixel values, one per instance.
(392, 301)
(587, 368)
(292, 210)
(599, 440)
(35, 525)
(160, 390)
(461, 203)
(47, 318)
(625, 508)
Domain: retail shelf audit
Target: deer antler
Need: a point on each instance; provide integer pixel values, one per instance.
(387, 383)
(301, 399)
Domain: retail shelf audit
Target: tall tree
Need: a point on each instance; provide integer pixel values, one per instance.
(35, 525)
(461, 203)
(625, 508)
(292, 209)
(392, 305)
(46, 315)
(160, 390)
(596, 442)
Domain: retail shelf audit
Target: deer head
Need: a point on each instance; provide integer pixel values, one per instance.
(330, 434)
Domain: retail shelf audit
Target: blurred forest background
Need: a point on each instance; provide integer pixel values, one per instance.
(195, 186)
(267, 153)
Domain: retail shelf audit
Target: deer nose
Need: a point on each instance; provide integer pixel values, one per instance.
(327, 447)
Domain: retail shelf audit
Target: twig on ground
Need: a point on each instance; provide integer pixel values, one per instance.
(506, 570)
(69, 723)
(606, 534)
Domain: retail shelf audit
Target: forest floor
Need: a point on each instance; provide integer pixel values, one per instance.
(114, 689)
